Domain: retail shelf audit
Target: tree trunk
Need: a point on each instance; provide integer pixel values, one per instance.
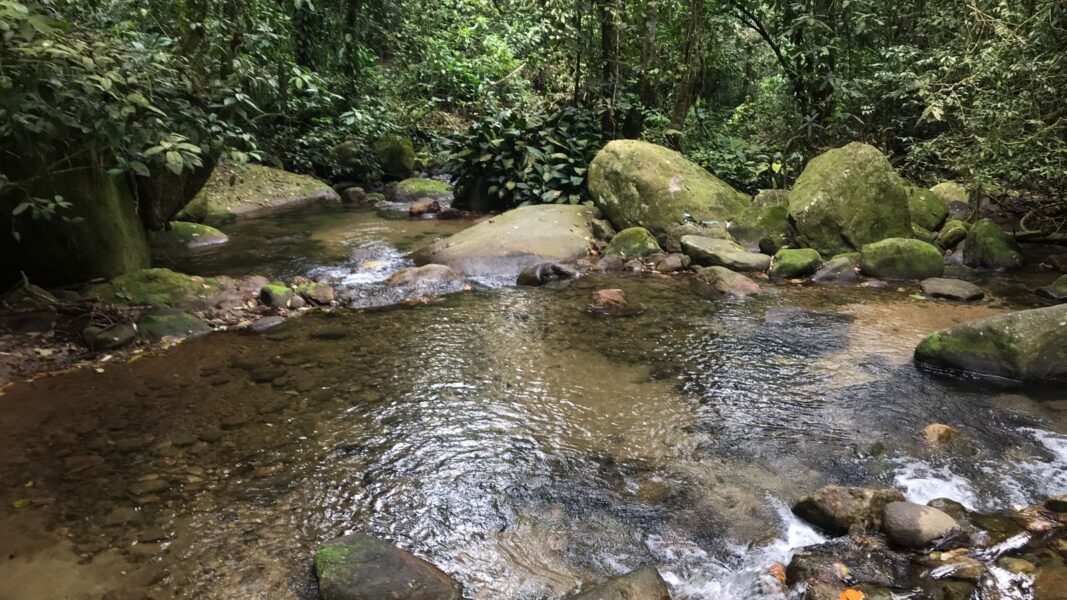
(609, 69)
(635, 119)
(687, 83)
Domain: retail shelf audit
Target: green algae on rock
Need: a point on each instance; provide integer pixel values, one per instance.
(927, 210)
(901, 258)
(414, 188)
(848, 197)
(954, 232)
(157, 287)
(1027, 345)
(638, 184)
(188, 236)
(789, 263)
(242, 191)
(362, 567)
(989, 246)
(396, 155)
(635, 242)
(171, 323)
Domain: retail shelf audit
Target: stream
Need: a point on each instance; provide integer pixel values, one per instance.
(519, 441)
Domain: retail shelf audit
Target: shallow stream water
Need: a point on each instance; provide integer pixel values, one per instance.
(514, 438)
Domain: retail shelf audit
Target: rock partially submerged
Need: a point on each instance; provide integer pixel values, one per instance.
(789, 264)
(911, 525)
(634, 242)
(642, 584)
(416, 188)
(952, 289)
(362, 567)
(541, 274)
(506, 244)
(988, 246)
(901, 258)
(714, 252)
(1057, 290)
(242, 191)
(183, 235)
(725, 281)
(638, 184)
(838, 270)
(838, 509)
(848, 197)
(1028, 345)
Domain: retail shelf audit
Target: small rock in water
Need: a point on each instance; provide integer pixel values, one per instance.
(1057, 503)
(642, 584)
(265, 324)
(671, 263)
(611, 263)
(613, 299)
(542, 273)
(725, 281)
(116, 336)
(1057, 290)
(915, 526)
(841, 270)
(838, 509)
(362, 567)
(952, 289)
(938, 433)
(354, 195)
(424, 206)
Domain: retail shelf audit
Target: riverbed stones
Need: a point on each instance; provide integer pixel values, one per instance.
(424, 276)
(543, 273)
(714, 252)
(791, 264)
(956, 198)
(183, 235)
(954, 232)
(1057, 504)
(158, 287)
(243, 191)
(504, 245)
(277, 295)
(848, 197)
(671, 263)
(911, 525)
(724, 281)
(858, 559)
(416, 188)
(901, 258)
(1025, 345)
(927, 210)
(634, 242)
(396, 155)
(108, 338)
(837, 509)
(641, 584)
(171, 323)
(952, 289)
(424, 206)
(988, 246)
(362, 567)
(608, 300)
(1057, 290)
(838, 270)
(638, 184)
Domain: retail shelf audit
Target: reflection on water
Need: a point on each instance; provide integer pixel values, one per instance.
(515, 439)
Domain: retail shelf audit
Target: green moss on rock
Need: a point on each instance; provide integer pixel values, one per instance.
(901, 258)
(171, 324)
(848, 197)
(156, 287)
(989, 246)
(410, 190)
(954, 232)
(921, 233)
(789, 264)
(638, 184)
(951, 191)
(926, 208)
(635, 242)
(396, 155)
(240, 191)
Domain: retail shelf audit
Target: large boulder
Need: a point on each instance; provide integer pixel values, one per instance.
(1028, 345)
(926, 209)
(362, 567)
(848, 197)
(415, 188)
(242, 191)
(838, 509)
(713, 252)
(795, 263)
(954, 232)
(912, 525)
(396, 155)
(956, 198)
(638, 184)
(643, 584)
(901, 258)
(988, 246)
(506, 244)
(634, 242)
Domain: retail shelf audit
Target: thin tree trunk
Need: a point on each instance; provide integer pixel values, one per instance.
(577, 49)
(635, 120)
(609, 55)
(687, 83)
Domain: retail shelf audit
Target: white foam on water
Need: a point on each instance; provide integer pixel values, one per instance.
(693, 575)
(1049, 476)
(1008, 585)
(921, 482)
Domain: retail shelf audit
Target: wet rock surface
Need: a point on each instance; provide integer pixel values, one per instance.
(362, 567)
(952, 289)
(643, 584)
(838, 509)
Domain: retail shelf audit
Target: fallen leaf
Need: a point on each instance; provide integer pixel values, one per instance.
(21, 503)
(851, 594)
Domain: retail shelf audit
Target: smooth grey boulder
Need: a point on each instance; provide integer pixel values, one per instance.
(912, 525)
(362, 567)
(725, 281)
(714, 252)
(642, 584)
(837, 509)
(840, 270)
(952, 289)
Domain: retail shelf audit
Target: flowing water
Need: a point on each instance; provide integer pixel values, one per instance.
(511, 436)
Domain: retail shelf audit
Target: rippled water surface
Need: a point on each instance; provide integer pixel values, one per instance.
(518, 440)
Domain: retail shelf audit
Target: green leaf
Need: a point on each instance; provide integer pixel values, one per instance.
(174, 162)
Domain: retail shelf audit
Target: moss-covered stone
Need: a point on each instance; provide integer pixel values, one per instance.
(396, 155)
(789, 264)
(951, 191)
(954, 232)
(156, 287)
(712, 252)
(160, 324)
(188, 236)
(638, 184)
(277, 295)
(923, 234)
(927, 210)
(414, 188)
(901, 258)
(109, 338)
(774, 225)
(635, 242)
(242, 191)
(988, 246)
(1027, 345)
(848, 197)
(1057, 290)
(361, 567)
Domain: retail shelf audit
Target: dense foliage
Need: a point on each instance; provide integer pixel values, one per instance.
(515, 96)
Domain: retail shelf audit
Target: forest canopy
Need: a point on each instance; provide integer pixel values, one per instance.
(524, 92)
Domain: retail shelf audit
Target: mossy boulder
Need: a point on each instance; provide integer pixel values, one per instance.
(362, 567)
(789, 264)
(242, 191)
(501, 247)
(157, 287)
(923, 234)
(415, 188)
(848, 197)
(988, 246)
(171, 323)
(635, 242)
(1057, 290)
(956, 198)
(776, 230)
(926, 209)
(108, 338)
(954, 232)
(396, 155)
(638, 184)
(715, 252)
(901, 258)
(183, 235)
(1027, 345)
